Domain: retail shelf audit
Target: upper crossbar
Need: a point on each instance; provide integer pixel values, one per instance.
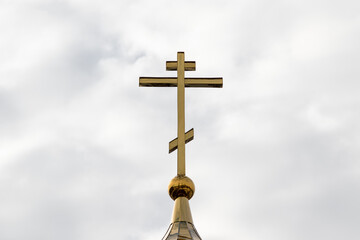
(188, 65)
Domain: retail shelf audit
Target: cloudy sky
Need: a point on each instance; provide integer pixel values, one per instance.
(83, 149)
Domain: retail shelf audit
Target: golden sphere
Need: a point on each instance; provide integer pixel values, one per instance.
(181, 186)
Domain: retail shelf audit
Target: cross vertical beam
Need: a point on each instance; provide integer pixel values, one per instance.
(181, 113)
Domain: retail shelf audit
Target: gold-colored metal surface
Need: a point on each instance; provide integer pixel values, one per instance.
(181, 113)
(172, 82)
(204, 82)
(157, 82)
(189, 135)
(180, 82)
(181, 212)
(172, 66)
(181, 186)
(181, 231)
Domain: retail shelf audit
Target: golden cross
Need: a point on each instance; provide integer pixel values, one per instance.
(180, 82)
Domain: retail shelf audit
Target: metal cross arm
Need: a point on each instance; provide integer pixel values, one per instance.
(172, 82)
(188, 66)
(173, 145)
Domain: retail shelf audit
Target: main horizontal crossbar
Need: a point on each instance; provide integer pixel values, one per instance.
(172, 82)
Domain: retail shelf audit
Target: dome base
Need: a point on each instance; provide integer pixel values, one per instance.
(181, 231)
(181, 227)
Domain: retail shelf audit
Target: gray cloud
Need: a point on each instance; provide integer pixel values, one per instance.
(83, 149)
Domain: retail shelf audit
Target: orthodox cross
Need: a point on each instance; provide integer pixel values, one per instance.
(180, 82)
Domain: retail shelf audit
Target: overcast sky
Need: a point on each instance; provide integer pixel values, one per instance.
(83, 149)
